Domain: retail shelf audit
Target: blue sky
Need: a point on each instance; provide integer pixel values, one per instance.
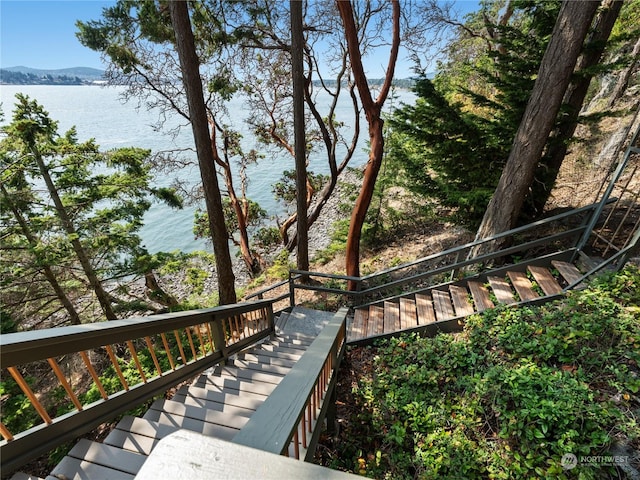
(41, 34)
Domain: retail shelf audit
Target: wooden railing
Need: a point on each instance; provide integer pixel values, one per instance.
(143, 357)
(285, 423)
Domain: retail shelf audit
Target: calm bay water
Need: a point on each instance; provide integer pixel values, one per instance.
(99, 113)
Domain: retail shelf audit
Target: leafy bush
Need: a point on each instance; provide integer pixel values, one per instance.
(509, 396)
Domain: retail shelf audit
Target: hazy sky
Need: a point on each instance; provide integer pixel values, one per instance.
(41, 34)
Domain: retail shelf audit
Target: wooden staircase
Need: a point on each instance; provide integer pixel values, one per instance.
(217, 404)
(443, 307)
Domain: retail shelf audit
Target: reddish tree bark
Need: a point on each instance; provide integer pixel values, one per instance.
(372, 109)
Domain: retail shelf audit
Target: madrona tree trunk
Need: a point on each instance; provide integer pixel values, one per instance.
(554, 75)
(372, 109)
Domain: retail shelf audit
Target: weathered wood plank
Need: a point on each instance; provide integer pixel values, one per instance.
(359, 324)
(523, 286)
(391, 317)
(108, 456)
(547, 282)
(24, 476)
(186, 456)
(570, 273)
(480, 296)
(73, 469)
(278, 352)
(461, 303)
(442, 305)
(376, 315)
(201, 397)
(502, 290)
(408, 313)
(257, 356)
(138, 434)
(258, 366)
(248, 374)
(225, 382)
(424, 306)
(219, 413)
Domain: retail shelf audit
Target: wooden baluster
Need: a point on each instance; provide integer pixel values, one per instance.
(168, 351)
(134, 354)
(193, 347)
(29, 393)
(63, 381)
(309, 413)
(296, 445)
(211, 342)
(199, 334)
(94, 375)
(4, 431)
(152, 352)
(116, 366)
(304, 429)
(179, 342)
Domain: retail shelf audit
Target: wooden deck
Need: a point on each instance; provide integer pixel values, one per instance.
(446, 304)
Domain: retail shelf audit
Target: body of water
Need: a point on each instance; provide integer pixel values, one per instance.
(99, 113)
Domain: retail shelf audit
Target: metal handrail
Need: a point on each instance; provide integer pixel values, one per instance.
(361, 293)
(202, 338)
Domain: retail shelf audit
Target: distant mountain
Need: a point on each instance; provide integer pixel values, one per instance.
(21, 75)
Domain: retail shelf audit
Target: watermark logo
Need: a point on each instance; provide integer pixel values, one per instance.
(570, 461)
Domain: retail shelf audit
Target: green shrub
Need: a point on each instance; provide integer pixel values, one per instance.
(509, 396)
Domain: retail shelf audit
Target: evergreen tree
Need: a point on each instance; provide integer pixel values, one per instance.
(456, 139)
(90, 210)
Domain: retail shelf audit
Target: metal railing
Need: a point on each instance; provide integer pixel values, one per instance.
(564, 230)
(122, 362)
(285, 423)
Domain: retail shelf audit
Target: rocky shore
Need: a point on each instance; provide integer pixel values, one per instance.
(181, 286)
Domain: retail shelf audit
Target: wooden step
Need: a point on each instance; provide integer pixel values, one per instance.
(408, 313)
(107, 456)
(223, 383)
(424, 307)
(375, 323)
(71, 468)
(523, 286)
(359, 324)
(259, 366)
(278, 352)
(461, 304)
(502, 290)
(569, 272)
(208, 422)
(391, 319)
(480, 295)
(138, 434)
(204, 398)
(257, 356)
(442, 305)
(545, 280)
(24, 476)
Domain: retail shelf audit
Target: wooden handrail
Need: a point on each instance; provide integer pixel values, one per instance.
(217, 333)
(300, 397)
